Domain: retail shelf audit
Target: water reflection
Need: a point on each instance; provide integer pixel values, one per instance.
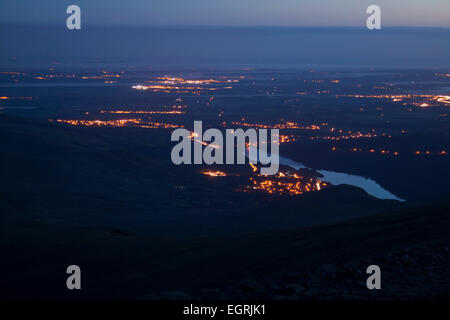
(338, 178)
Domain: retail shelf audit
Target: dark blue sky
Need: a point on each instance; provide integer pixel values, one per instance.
(229, 12)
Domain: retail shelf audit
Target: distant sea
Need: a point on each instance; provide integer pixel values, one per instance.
(25, 46)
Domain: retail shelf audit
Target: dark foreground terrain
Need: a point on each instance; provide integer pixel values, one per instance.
(72, 196)
(325, 262)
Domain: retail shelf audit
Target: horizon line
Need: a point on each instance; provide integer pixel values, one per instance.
(96, 25)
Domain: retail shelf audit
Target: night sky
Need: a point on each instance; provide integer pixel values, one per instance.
(433, 13)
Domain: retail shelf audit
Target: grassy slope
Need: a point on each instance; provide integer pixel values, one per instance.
(120, 265)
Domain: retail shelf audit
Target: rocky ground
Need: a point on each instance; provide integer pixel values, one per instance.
(413, 273)
(418, 272)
